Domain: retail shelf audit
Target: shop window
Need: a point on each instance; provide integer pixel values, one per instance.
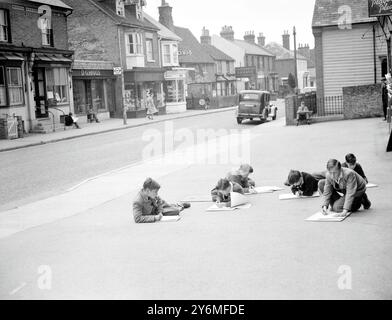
(174, 91)
(97, 94)
(149, 48)
(57, 84)
(15, 86)
(4, 26)
(134, 43)
(47, 32)
(3, 97)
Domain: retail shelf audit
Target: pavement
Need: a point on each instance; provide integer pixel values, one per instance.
(90, 248)
(109, 125)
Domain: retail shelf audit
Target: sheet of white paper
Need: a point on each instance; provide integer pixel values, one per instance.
(371, 185)
(215, 208)
(268, 189)
(171, 219)
(320, 217)
(291, 196)
(197, 199)
(237, 199)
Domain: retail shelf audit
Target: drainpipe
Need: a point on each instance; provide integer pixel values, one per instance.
(374, 54)
(122, 76)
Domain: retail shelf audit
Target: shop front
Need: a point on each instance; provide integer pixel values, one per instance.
(174, 88)
(140, 82)
(248, 76)
(94, 91)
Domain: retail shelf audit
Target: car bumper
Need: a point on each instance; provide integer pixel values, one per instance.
(250, 115)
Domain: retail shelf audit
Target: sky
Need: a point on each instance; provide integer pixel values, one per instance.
(269, 17)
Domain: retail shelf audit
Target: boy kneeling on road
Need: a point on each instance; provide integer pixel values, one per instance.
(148, 207)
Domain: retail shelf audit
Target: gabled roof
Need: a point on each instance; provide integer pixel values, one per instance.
(189, 43)
(163, 32)
(252, 48)
(129, 18)
(326, 12)
(215, 53)
(282, 53)
(55, 3)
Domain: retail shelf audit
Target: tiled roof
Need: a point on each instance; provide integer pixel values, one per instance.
(55, 3)
(326, 12)
(252, 48)
(194, 51)
(129, 18)
(164, 32)
(281, 52)
(216, 54)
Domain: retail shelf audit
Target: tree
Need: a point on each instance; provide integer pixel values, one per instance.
(292, 82)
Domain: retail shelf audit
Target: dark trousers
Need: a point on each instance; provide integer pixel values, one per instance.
(384, 108)
(337, 201)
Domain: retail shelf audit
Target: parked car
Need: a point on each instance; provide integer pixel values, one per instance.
(255, 104)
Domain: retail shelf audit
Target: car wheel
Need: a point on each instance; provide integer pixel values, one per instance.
(239, 120)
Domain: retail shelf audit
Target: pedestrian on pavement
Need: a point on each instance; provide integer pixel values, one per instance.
(303, 113)
(151, 109)
(343, 190)
(302, 183)
(92, 116)
(70, 120)
(148, 207)
(221, 193)
(207, 103)
(241, 177)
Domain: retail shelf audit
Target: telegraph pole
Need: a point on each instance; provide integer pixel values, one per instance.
(295, 59)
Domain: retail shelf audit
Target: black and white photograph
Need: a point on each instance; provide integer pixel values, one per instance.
(177, 150)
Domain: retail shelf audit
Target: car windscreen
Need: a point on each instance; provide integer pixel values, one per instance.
(249, 97)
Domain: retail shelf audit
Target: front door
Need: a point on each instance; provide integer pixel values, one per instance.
(41, 106)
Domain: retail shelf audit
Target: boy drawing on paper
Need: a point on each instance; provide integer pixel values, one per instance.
(221, 193)
(241, 177)
(148, 207)
(343, 190)
(302, 183)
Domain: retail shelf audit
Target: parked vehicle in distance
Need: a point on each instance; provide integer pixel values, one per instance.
(255, 104)
(309, 89)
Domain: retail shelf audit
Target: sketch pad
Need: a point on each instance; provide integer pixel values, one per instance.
(171, 219)
(215, 208)
(268, 189)
(319, 217)
(197, 199)
(371, 185)
(291, 196)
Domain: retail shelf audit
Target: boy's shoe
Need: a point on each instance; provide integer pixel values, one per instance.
(366, 202)
(185, 205)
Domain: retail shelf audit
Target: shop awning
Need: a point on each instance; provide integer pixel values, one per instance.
(50, 58)
(144, 75)
(221, 79)
(11, 56)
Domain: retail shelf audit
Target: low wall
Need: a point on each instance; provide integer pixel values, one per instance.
(362, 101)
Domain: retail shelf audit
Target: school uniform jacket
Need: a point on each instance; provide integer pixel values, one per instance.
(308, 187)
(146, 209)
(358, 169)
(351, 184)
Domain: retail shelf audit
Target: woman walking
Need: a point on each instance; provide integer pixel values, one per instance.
(151, 109)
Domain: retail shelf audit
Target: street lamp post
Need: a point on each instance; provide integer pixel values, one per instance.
(295, 59)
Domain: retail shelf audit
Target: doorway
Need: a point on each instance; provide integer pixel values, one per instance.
(41, 106)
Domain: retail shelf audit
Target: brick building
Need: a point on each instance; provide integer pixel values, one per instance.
(116, 57)
(285, 62)
(255, 65)
(35, 63)
(193, 57)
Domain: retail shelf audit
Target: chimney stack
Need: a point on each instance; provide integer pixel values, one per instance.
(286, 40)
(261, 40)
(227, 33)
(205, 36)
(165, 15)
(250, 37)
(304, 50)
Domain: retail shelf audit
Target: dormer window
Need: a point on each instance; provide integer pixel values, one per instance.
(120, 8)
(139, 11)
(47, 32)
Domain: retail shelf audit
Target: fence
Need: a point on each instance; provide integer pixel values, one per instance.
(321, 107)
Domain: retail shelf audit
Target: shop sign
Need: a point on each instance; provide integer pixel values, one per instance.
(379, 8)
(245, 72)
(174, 75)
